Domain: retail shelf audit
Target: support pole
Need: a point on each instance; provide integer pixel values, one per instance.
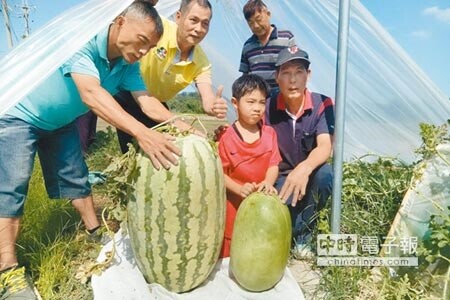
(341, 86)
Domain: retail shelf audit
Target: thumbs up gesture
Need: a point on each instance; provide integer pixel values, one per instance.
(219, 108)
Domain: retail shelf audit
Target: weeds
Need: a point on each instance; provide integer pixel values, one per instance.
(338, 283)
(372, 193)
(48, 244)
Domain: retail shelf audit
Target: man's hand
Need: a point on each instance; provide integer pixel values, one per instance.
(248, 188)
(159, 148)
(220, 107)
(295, 184)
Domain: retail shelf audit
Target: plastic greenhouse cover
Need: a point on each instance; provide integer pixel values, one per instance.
(387, 93)
(37, 57)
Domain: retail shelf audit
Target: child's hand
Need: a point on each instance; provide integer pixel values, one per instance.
(266, 188)
(219, 131)
(248, 188)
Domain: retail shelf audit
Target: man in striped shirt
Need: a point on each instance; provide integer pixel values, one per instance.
(260, 51)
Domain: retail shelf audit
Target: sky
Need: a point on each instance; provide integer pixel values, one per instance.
(421, 27)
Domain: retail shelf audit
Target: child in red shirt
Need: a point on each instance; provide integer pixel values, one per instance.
(248, 150)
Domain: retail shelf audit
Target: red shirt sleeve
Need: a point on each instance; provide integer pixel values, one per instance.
(223, 154)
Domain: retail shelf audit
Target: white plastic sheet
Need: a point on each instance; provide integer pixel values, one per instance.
(387, 93)
(129, 283)
(37, 57)
(429, 195)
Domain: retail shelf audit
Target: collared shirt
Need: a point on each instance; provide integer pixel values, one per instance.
(260, 59)
(294, 117)
(306, 105)
(56, 102)
(297, 137)
(163, 72)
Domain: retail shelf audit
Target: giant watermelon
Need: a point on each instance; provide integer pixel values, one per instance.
(261, 242)
(176, 216)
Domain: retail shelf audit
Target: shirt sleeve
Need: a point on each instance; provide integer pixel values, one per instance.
(223, 156)
(326, 117)
(82, 62)
(204, 76)
(133, 81)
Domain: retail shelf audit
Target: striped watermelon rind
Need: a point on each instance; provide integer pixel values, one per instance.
(176, 216)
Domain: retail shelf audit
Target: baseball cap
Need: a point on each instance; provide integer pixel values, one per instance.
(291, 53)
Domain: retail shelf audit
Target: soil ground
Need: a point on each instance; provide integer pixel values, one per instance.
(307, 278)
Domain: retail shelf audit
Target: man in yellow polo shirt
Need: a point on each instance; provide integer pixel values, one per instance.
(166, 73)
(175, 62)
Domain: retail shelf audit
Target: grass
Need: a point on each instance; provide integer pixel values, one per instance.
(371, 195)
(49, 244)
(52, 243)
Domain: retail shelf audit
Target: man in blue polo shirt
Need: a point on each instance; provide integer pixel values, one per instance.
(304, 123)
(260, 51)
(43, 122)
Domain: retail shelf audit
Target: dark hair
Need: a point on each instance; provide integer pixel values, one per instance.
(142, 9)
(203, 3)
(247, 83)
(252, 7)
